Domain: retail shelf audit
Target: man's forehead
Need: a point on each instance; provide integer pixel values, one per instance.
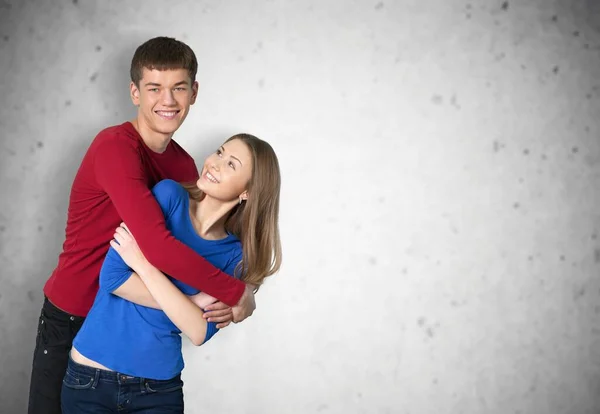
(165, 76)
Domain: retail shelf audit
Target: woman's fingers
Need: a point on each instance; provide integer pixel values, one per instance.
(123, 232)
(121, 235)
(118, 238)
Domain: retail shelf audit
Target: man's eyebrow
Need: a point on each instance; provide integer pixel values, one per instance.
(158, 84)
(235, 158)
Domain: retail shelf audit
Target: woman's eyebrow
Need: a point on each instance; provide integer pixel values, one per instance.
(235, 158)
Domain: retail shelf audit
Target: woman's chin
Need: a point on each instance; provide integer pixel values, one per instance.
(201, 185)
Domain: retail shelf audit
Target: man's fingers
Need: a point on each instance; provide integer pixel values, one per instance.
(219, 319)
(223, 325)
(217, 306)
(218, 313)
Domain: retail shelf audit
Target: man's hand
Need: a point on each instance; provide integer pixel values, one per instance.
(220, 313)
(224, 315)
(246, 306)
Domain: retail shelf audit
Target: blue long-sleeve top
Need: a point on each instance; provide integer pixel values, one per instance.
(140, 341)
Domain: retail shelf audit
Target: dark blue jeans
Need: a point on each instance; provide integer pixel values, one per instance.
(90, 390)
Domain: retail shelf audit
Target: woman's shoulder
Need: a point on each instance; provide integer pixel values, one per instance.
(235, 255)
(169, 192)
(168, 186)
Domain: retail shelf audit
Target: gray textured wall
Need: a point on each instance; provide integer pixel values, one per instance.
(440, 212)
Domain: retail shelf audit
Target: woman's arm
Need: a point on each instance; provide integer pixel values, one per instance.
(135, 290)
(117, 278)
(177, 306)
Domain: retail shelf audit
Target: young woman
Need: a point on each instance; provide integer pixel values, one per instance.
(127, 357)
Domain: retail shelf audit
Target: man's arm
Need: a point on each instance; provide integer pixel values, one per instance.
(120, 173)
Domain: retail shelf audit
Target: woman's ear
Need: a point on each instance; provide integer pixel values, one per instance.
(244, 196)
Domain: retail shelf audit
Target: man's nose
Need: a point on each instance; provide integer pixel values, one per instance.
(168, 98)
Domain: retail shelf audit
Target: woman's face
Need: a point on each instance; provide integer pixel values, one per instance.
(226, 173)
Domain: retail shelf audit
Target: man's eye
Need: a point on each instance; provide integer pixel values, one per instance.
(180, 89)
(153, 90)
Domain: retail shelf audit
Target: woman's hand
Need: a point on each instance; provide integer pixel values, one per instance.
(128, 249)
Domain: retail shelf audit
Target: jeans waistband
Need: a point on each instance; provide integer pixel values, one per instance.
(52, 311)
(102, 374)
(109, 376)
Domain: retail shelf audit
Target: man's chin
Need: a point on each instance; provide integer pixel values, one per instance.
(167, 127)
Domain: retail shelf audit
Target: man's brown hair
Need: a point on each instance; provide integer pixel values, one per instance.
(163, 53)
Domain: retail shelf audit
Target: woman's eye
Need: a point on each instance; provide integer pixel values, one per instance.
(219, 153)
(231, 165)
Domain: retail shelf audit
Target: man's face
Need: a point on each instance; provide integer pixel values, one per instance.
(163, 99)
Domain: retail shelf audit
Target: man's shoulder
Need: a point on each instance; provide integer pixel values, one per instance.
(185, 161)
(123, 134)
(180, 151)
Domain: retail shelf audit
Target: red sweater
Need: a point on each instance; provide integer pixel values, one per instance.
(113, 185)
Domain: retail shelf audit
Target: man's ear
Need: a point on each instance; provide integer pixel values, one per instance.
(134, 92)
(194, 92)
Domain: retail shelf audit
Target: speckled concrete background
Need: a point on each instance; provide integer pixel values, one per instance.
(441, 193)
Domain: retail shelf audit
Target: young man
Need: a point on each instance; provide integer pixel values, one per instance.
(113, 185)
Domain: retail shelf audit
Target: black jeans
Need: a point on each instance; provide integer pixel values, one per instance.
(56, 330)
(88, 390)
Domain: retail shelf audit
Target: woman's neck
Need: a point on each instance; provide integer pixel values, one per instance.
(208, 217)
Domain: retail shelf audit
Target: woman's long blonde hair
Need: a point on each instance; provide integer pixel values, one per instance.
(256, 221)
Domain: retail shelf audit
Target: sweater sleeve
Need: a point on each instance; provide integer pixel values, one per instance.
(120, 173)
(211, 327)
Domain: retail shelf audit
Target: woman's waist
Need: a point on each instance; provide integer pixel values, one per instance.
(81, 359)
(78, 366)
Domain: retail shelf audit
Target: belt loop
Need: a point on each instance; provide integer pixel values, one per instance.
(96, 379)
